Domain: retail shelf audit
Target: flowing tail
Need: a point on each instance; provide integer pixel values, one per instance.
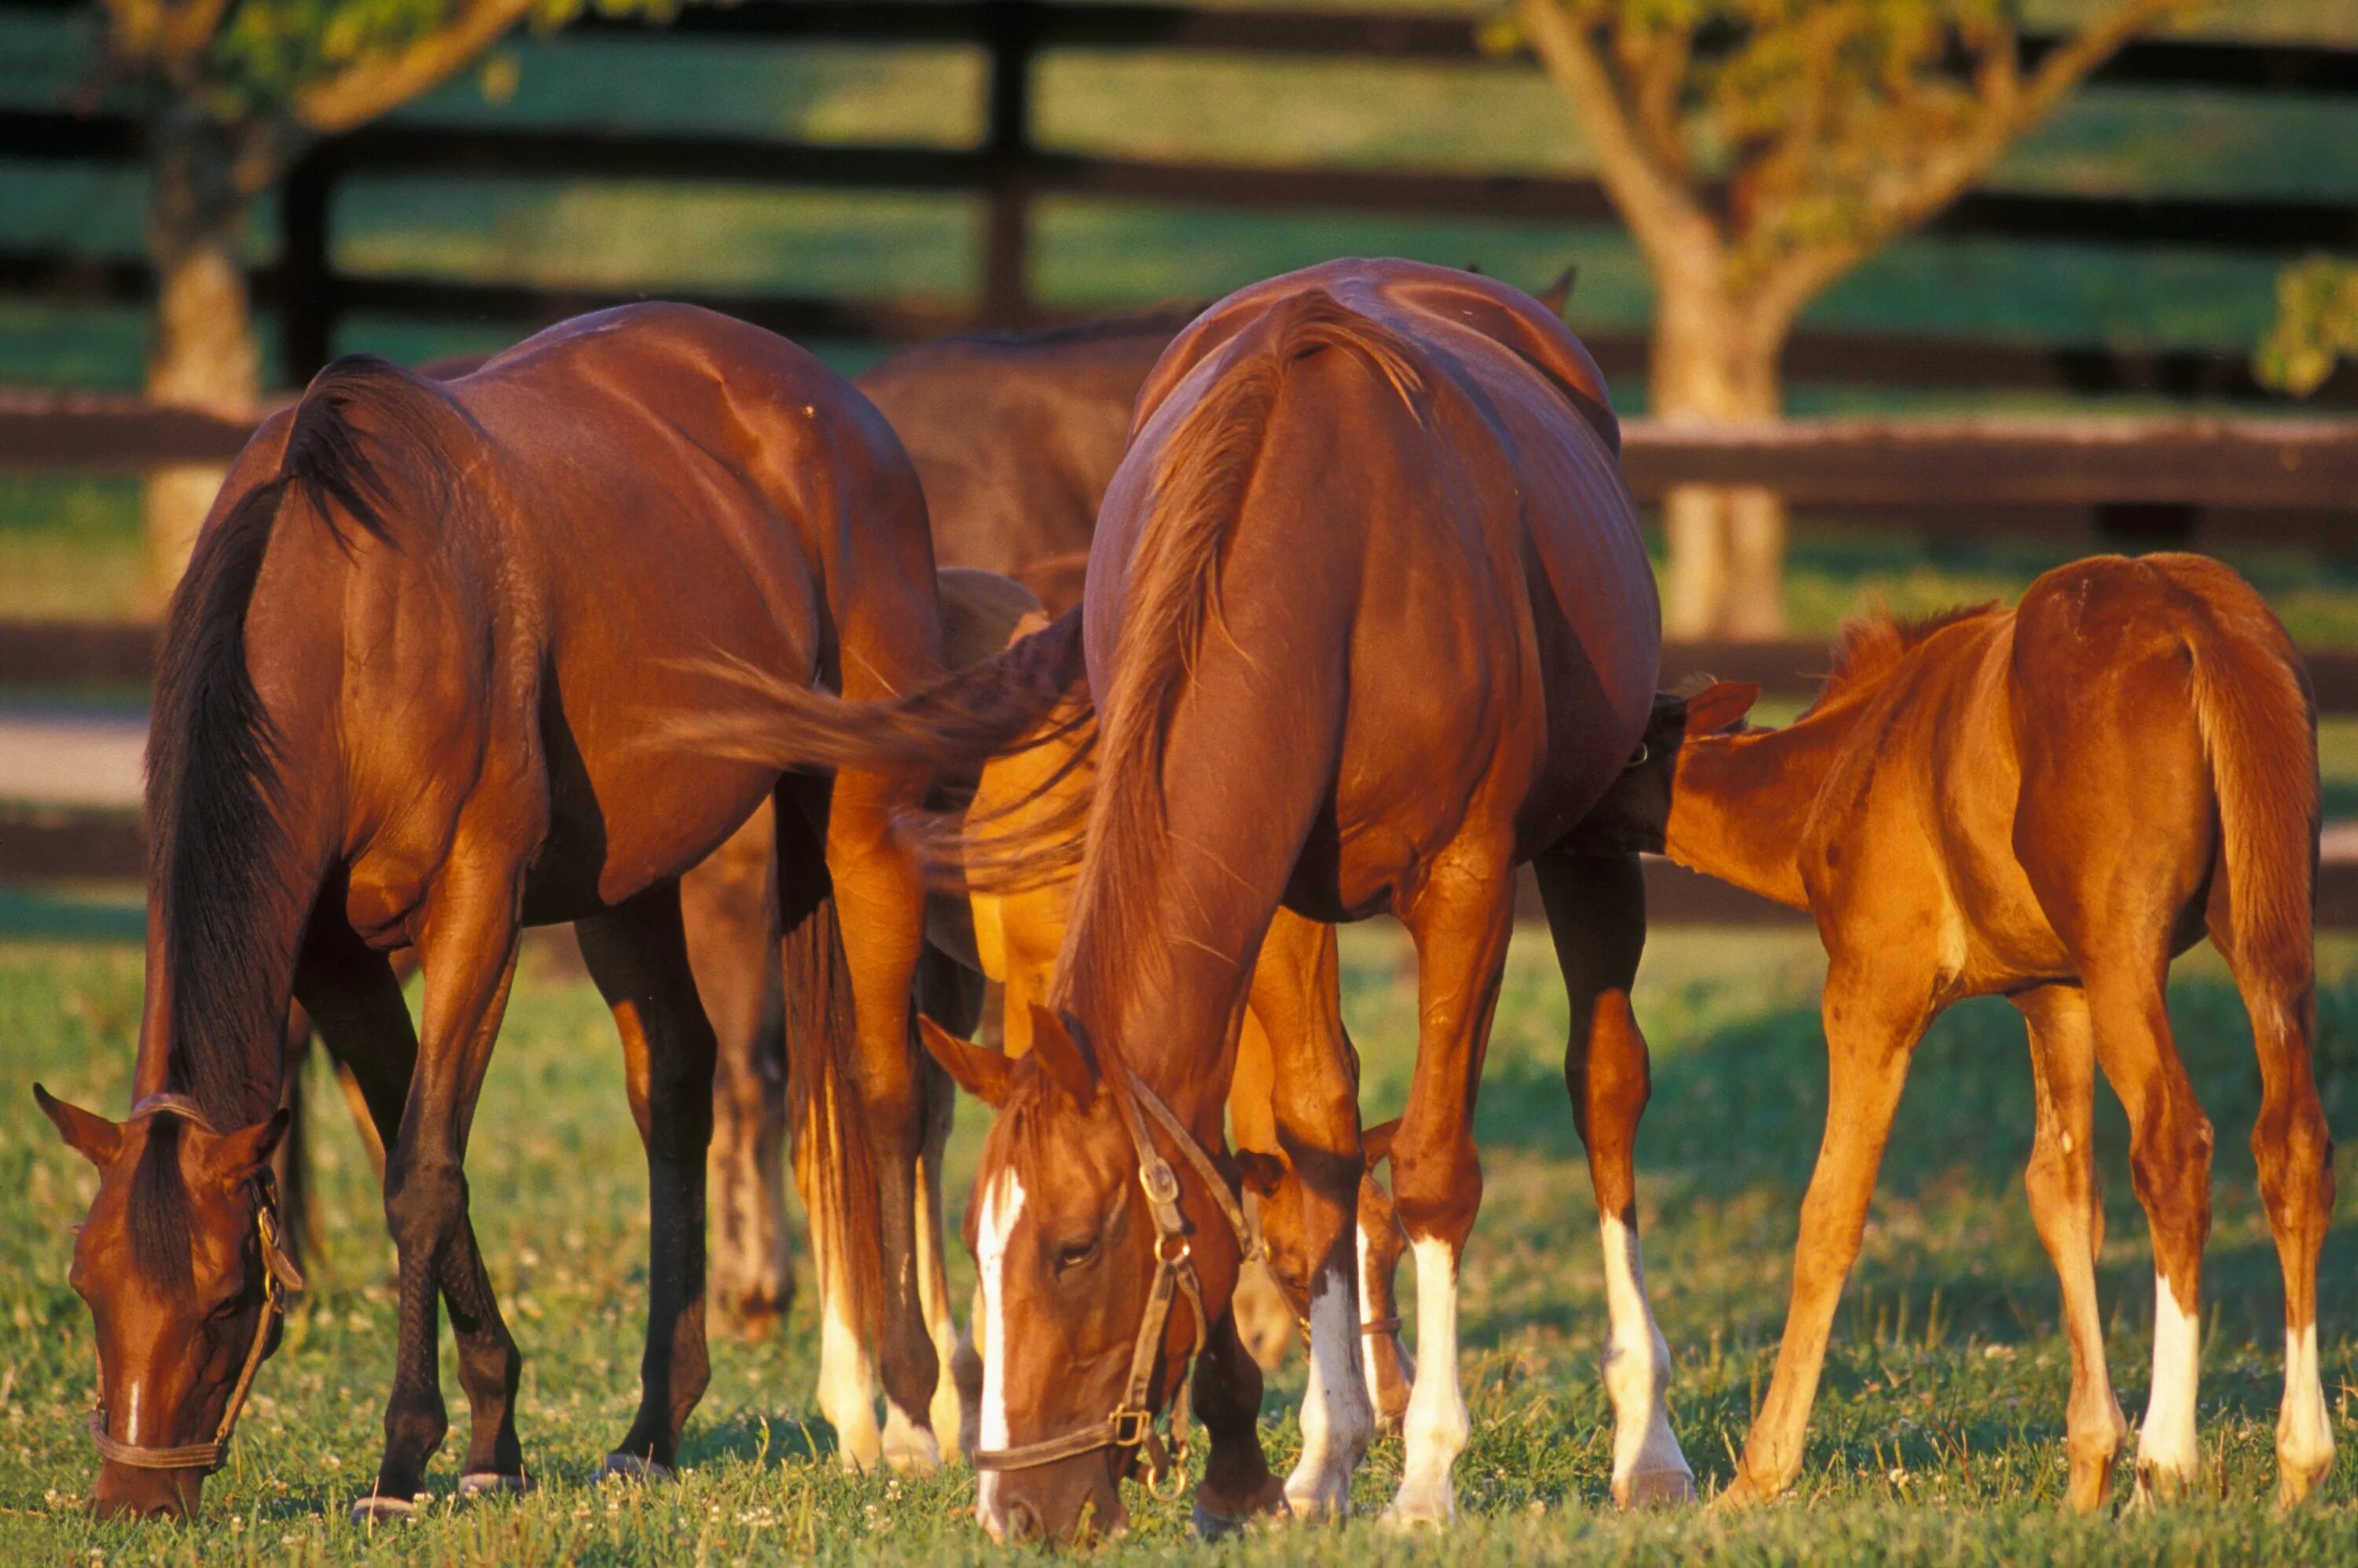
(2258, 723)
(949, 726)
(834, 1157)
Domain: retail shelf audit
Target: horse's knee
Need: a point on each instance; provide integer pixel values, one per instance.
(1437, 1191)
(2170, 1162)
(424, 1202)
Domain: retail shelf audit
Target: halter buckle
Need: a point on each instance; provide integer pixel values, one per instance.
(1162, 1182)
(1130, 1428)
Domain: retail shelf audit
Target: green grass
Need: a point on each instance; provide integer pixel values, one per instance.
(1937, 1437)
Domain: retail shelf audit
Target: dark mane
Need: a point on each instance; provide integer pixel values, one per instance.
(214, 792)
(1173, 592)
(1871, 646)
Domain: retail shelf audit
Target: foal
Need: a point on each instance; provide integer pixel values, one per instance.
(2047, 804)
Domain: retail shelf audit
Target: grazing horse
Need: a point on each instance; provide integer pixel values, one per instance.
(1368, 623)
(410, 695)
(2048, 804)
(1037, 793)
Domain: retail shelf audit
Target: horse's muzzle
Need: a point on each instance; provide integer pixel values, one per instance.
(122, 1492)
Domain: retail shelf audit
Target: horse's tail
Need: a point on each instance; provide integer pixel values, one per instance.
(948, 727)
(834, 1155)
(2258, 723)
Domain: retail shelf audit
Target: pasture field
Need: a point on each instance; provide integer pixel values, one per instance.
(1937, 1437)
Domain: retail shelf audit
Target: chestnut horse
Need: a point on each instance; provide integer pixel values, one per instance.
(405, 700)
(2048, 804)
(1368, 622)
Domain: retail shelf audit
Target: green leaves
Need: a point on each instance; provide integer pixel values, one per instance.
(2317, 323)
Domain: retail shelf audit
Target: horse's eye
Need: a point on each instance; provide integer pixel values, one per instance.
(1075, 1255)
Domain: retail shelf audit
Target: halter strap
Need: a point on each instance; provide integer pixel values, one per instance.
(1132, 1424)
(280, 1279)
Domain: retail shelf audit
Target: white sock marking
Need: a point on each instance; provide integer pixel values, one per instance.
(2166, 1442)
(1437, 1424)
(1337, 1418)
(2304, 1430)
(1637, 1367)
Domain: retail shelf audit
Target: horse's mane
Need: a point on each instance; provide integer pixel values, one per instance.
(214, 792)
(1174, 598)
(1871, 646)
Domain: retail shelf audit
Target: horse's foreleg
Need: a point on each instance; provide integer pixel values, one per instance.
(1872, 1020)
(1460, 921)
(468, 947)
(1596, 914)
(637, 954)
(1314, 1100)
(880, 902)
(1225, 1392)
(2061, 1182)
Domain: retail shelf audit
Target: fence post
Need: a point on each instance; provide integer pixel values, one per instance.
(1010, 32)
(306, 304)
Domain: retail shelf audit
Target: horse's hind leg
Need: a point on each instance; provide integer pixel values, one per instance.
(1597, 914)
(1460, 920)
(2294, 1153)
(2062, 1181)
(637, 954)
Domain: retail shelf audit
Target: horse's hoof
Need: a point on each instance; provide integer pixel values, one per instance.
(1422, 1511)
(631, 1467)
(1209, 1526)
(475, 1483)
(2160, 1484)
(373, 1510)
(1655, 1489)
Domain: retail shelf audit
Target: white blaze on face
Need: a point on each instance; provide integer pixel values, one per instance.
(1002, 1204)
(131, 1432)
(2167, 1440)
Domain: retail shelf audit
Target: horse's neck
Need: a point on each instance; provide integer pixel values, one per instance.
(1738, 803)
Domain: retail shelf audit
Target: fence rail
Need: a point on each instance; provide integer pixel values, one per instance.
(1010, 170)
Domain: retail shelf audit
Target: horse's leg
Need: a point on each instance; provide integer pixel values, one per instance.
(2294, 1152)
(637, 954)
(2062, 1181)
(951, 995)
(728, 909)
(1874, 1016)
(1460, 921)
(1596, 914)
(468, 947)
(1314, 1097)
(880, 903)
(2169, 1165)
(1225, 1392)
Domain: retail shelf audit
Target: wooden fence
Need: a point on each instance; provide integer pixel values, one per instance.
(1010, 170)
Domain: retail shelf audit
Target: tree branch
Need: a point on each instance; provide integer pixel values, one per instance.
(375, 85)
(1663, 213)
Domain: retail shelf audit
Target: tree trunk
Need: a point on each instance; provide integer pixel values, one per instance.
(202, 353)
(1713, 361)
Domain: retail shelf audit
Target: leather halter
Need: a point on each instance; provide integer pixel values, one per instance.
(1132, 1424)
(279, 1280)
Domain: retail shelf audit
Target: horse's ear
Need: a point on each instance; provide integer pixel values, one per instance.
(233, 1158)
(86, 1132)
(1376, 1142)
(1558, 295)
(1057, 1049)
(1262, 1173)
(1720, 706)
(981, 1071)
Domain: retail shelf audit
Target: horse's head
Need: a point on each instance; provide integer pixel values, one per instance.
(1634, 814)
(1106, 1242)
(179, 1263)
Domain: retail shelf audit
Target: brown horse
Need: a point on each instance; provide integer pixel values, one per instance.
(2047, 804)
(1037, 793)
(406, 695)
(1368, 623)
